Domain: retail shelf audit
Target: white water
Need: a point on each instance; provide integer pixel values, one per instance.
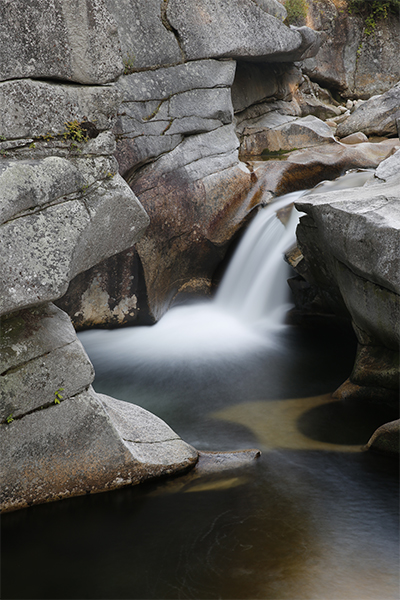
(249, 307)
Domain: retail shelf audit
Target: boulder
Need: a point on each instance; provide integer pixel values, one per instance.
(40, 355)
(147, 40)
(355, 138)
(242, 29)
(386, 439)
(376, 116)
(197, 199)
(41, 251)
(89, 443)
(110, 294)
(161, 107)
(303, 169)
(349, 240)
(275, 132)
(68, 41)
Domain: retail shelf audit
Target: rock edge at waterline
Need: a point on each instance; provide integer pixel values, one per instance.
(90, 443)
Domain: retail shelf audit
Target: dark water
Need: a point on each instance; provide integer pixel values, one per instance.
(314, 518)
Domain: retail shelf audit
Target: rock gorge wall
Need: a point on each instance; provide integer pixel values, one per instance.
(174, 99)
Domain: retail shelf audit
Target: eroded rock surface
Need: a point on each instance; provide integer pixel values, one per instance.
(350, 242)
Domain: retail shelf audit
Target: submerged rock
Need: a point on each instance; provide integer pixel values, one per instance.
(386, 439)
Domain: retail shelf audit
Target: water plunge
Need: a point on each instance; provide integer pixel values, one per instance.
(313, 518)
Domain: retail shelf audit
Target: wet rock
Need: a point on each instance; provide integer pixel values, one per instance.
(217, 29)
(303, 169)
(386, 439)
(349, 240)
(69, 41)
(376, 116)
(196, 197)
(88, 443)
(147, 41)
(161, 107)
(274, 132)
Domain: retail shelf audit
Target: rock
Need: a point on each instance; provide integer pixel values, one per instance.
(386, 439)
(197, 199)
(389, 168)
(89, 443)
(255, 82)
(303, 169)
(356, 64)
(274, 132)
(218, 28)
(147, 40)
(73, 42)
(161, 107)
(44, 249)
(376, 116)
(350, 240)
(59, 104)
(355, 138)
(110, 294)
(41, 365)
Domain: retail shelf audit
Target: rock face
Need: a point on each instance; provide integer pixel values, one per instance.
(376, 116)
(63, 209)
(74, 42)
(352, 59)
(350, 242)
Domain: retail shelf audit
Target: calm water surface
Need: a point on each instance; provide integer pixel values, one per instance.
(313, 518)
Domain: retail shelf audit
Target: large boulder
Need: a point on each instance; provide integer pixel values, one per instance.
(349, 241)
(59, 40)
(376, 116)
(240, 29)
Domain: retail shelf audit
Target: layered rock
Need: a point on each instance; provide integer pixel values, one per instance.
(64, 208)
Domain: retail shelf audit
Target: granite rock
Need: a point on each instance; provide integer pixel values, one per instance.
(59, 40)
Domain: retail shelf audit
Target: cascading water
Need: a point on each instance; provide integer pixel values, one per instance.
(313, 517)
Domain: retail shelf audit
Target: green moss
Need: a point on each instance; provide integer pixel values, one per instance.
(296, 12)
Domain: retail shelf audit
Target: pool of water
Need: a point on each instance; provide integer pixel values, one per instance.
(315, 517)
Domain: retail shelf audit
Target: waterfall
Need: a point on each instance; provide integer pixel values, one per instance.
(249, 306)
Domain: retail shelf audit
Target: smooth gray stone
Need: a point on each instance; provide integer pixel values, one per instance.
(79, 447)
(376, 116)
(43, 251)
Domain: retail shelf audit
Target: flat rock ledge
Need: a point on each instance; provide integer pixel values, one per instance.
(92, 443)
